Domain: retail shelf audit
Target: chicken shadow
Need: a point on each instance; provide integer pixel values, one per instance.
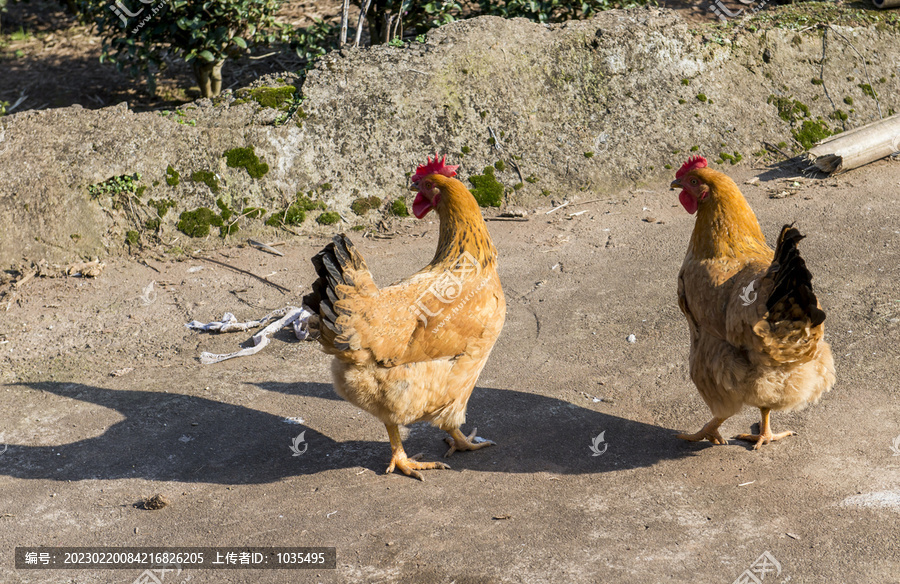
(175, 437)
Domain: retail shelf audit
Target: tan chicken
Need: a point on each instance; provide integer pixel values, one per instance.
(757, 332)
(413, 351)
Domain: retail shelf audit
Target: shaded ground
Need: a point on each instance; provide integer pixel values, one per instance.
(104, 403)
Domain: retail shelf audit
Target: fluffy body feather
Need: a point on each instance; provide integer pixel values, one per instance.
(757, 332)
(413, 351)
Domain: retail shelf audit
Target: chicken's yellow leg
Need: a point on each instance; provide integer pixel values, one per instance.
(407, 465)
(459, 441)
(709, 432)
(765, 432)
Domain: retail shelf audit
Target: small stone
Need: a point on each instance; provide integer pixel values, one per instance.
(631, 339)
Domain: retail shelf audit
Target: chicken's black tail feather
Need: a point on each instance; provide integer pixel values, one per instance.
(334, 265)
(793, 297)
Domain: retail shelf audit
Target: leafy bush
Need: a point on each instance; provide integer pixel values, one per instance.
(203, 33)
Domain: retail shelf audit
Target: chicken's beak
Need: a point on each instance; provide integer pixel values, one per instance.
(676, 184)
(414, 186)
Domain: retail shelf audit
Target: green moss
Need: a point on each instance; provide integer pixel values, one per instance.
(152, 224)
(695, 148)
(848, 100)
(132, 238)
(518, 186)
(398, 208)
(667, 166)
(867, 89)
(811, 132)
(500, 165)
(588, 154)
(162, 206)
(782, 145)
(789, 110)
(817, 81)
(175, 250)
(701, 97)
(882, 80)
(172, 176)
(246, 158)
(545, 193)
(272, 97)
(486, 189)
(483, 115)
(196, 223)
(685, 81)
(328, 218)
(465, 150)
(363, 205)
(531, 179)
(295, 214)
(358, 228)
(838, 115)
(681, 101)
(208, 178)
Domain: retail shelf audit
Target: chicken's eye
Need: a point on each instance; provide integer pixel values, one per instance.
(693, 181)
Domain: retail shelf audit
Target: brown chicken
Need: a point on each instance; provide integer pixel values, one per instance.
(757, 332)
(413, 351)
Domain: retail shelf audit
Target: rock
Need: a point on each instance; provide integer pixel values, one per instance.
(611, 88)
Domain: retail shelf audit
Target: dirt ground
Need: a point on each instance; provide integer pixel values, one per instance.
(104, 403)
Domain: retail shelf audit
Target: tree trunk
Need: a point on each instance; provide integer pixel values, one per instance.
(377, 19)
(209, 77)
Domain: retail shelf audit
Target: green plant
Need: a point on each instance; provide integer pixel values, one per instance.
(196, 223)
(246, 158)
(363, 205)
(311, 42)
(486, 189)
(172, 176)
(295, 213)
(811, 132)
(273, 97)
(328, 218)
(208, 178)
(124, 183)
(398, 208)
(204, 34)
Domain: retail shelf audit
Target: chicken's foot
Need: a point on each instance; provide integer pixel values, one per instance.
(709, 432)
(459, 441)
(765, 432)
(408, 465)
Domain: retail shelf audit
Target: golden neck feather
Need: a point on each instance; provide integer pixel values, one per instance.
(462, 227)
(726, 226)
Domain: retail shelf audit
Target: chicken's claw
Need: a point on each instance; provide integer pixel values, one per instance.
(709, 432)
(410, 465)
(459, 441)
(761, 439)
(765, 432)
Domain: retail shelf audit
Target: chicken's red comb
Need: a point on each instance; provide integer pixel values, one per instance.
(434, 167)
(692, 163)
